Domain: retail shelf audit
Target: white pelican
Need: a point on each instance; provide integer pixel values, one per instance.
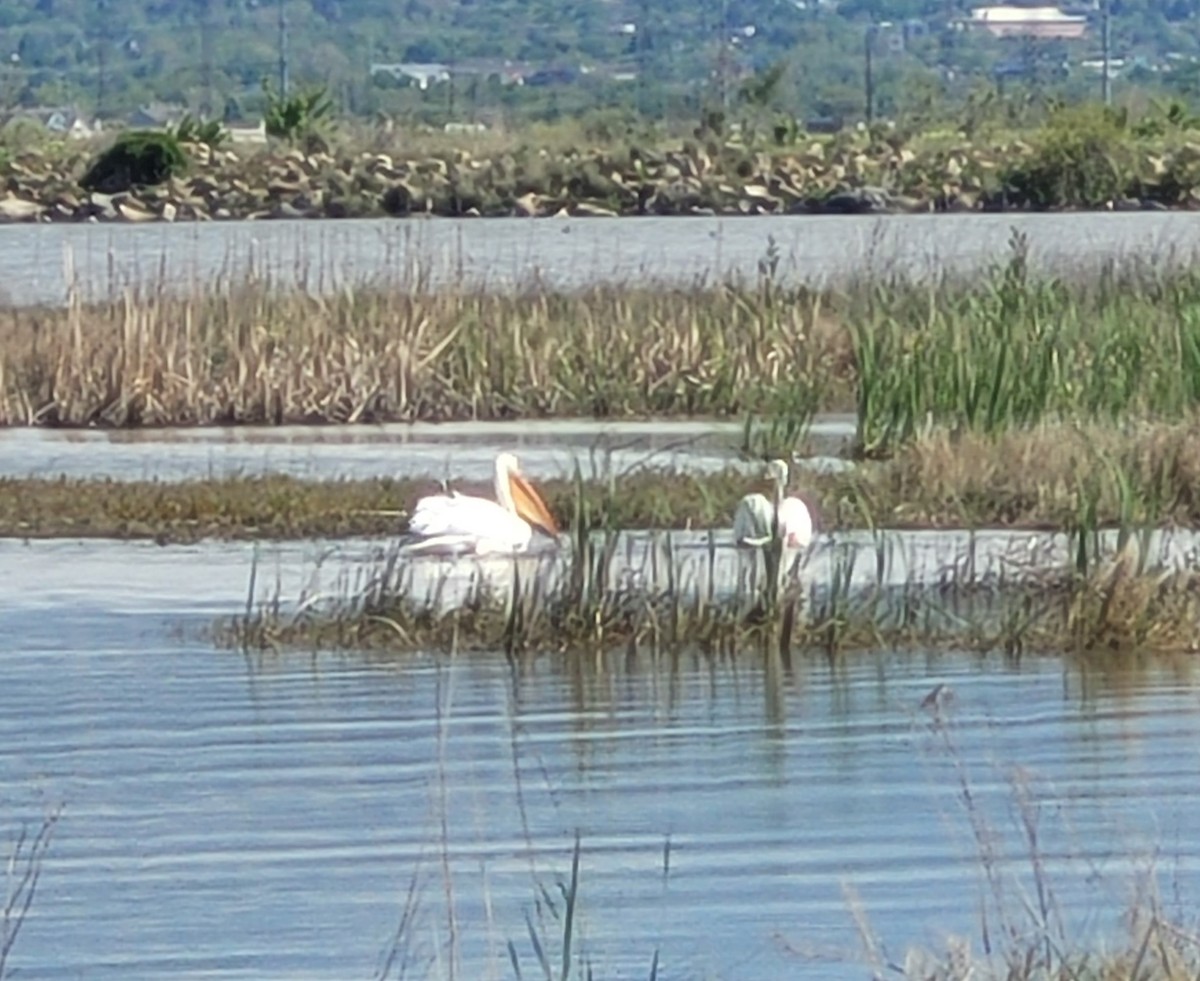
(459, 522)
(755, 515)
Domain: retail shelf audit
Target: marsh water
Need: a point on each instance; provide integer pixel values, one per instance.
(274, 816)
(550, 448)
(336, 815)
(41, 261)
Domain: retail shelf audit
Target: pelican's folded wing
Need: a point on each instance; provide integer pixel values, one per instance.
(753, 520)
(468, 517)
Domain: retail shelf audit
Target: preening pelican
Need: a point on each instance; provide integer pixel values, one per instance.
(755, 515)
(460, 522)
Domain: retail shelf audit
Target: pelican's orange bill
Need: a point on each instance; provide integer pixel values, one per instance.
(529, 505)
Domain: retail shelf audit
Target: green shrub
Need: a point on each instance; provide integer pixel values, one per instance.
(206, 132)
(296, 118)
(139, 158)
(1081, 157)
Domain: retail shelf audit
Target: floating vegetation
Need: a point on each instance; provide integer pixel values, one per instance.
(608, 591)
(267, 507)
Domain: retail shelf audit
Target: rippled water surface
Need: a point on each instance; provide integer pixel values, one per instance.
(270, 816)
(549, 448)
(41, 260)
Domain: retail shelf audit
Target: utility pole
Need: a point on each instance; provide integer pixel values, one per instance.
(868, 75)
(639, 48)
(101, 56)
(869, 36)
(283, 51)
(722, 56)
(206, 58)
(1106, 47)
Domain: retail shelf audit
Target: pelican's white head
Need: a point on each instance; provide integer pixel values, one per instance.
(777, 473)
(506, 463)
(518, 495)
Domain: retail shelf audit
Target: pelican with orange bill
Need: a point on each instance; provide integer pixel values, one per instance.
(462, 523)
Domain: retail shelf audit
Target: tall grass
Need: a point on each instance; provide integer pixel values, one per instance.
(253, 355)
(987, 354)
(1016, 349)
(23, 872)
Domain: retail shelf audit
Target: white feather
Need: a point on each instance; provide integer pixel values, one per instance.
(754, 517)
(460, 521)
(752, 520)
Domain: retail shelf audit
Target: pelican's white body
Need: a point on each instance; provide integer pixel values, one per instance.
(463, 523)
(460, 522)
(754, 517)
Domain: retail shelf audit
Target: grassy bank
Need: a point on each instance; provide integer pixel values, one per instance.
(1051, 477)
(1004, 350)
(1018, 348)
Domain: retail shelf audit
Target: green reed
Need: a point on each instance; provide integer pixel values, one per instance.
(1016, 349)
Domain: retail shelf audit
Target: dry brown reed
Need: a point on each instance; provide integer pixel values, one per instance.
(253, 355)
(1032, 478)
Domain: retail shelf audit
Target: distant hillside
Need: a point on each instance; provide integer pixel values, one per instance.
(211, 55)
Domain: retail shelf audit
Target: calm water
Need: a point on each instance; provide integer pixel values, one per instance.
(466, 450)
(265, 817)
(275, 817)
(40, 261)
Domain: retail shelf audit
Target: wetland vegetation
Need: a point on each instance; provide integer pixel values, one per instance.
(607, 596)
(607, 593)
(992, 352)
(1047, 478)
(1016, 401)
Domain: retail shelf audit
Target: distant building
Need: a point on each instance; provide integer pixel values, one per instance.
(62, 121)
(156, 116)
(1115, 66)
(1037, 22)
(248, 134)
(421, 75)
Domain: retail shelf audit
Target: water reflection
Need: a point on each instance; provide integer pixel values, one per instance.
(264, 815)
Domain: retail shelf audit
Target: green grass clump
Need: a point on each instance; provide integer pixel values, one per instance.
(1018, 349)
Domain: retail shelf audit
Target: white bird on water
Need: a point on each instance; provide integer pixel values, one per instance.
(754, 518)
(462, 523)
